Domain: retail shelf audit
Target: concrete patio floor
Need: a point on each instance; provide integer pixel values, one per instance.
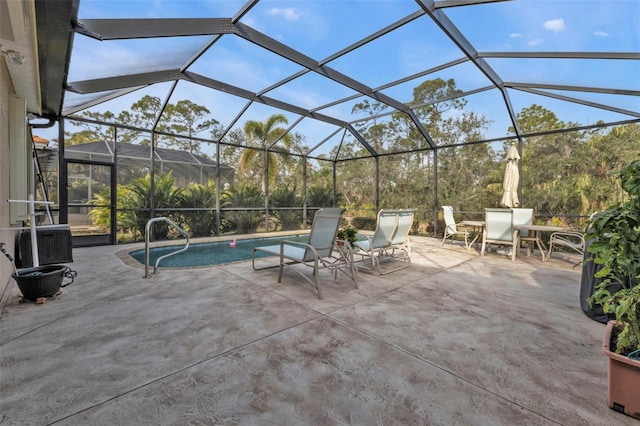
(454, 339)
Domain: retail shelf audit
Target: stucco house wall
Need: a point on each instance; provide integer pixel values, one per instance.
(6, 88)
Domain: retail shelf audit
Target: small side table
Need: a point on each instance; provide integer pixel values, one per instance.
(343, 260)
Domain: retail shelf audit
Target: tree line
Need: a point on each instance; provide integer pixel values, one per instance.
(563, 174)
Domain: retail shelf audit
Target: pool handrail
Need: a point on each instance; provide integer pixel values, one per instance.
(146, 244)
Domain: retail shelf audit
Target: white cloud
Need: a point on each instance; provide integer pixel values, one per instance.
(555, 25)
(600, 33)
(288, 13)
(515, 35)
(535, 42)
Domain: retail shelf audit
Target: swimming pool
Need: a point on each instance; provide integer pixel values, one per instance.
(208, 254)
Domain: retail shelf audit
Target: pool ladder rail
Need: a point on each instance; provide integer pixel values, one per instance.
(146, 244)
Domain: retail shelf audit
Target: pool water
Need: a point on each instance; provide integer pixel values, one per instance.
(208, 254)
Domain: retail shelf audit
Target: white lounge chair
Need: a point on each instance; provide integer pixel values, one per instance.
(401, 240)
(373, 246)
(317, 252)
(451, 229)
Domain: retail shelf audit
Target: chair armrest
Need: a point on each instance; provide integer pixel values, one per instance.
(368, 237)
(568, 238)
(567, 234)
(294, 243)
(303, 245)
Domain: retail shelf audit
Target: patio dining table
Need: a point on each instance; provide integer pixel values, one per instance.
(538, 230)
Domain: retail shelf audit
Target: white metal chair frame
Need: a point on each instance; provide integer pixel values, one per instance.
(451, 228)
(317, 253)
(400, 241)
(375, 245)
(390, 240)
(573, 240)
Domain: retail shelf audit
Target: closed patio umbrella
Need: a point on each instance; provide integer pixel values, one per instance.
(511, 179)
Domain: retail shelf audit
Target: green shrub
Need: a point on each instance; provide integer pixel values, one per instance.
(364, 223)
(615, 242)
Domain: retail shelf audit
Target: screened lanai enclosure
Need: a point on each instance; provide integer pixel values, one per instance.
(295, 105)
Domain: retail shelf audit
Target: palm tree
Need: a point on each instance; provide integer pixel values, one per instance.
(262, 135)
(101, 215)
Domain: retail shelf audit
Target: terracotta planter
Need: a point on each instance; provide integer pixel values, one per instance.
(624, 379)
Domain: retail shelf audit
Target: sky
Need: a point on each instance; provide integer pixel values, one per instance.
(320, 28)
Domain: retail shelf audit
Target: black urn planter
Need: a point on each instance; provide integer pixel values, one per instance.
(42, 281)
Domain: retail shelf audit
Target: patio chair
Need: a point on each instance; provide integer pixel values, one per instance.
(451, 229)
(573, 240)
(401, 241)
(499, 230)
(317, 252)
(525, 217)
(373, 246)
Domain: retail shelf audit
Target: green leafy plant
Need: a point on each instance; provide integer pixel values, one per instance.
(133, 205)
(347, 233)
(137, 202)
(200, 222)
(615, 236)
(625, 305)
(244, 199)
(284, 196)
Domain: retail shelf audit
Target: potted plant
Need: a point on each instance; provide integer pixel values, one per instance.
(615, 243)
(347, 233)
